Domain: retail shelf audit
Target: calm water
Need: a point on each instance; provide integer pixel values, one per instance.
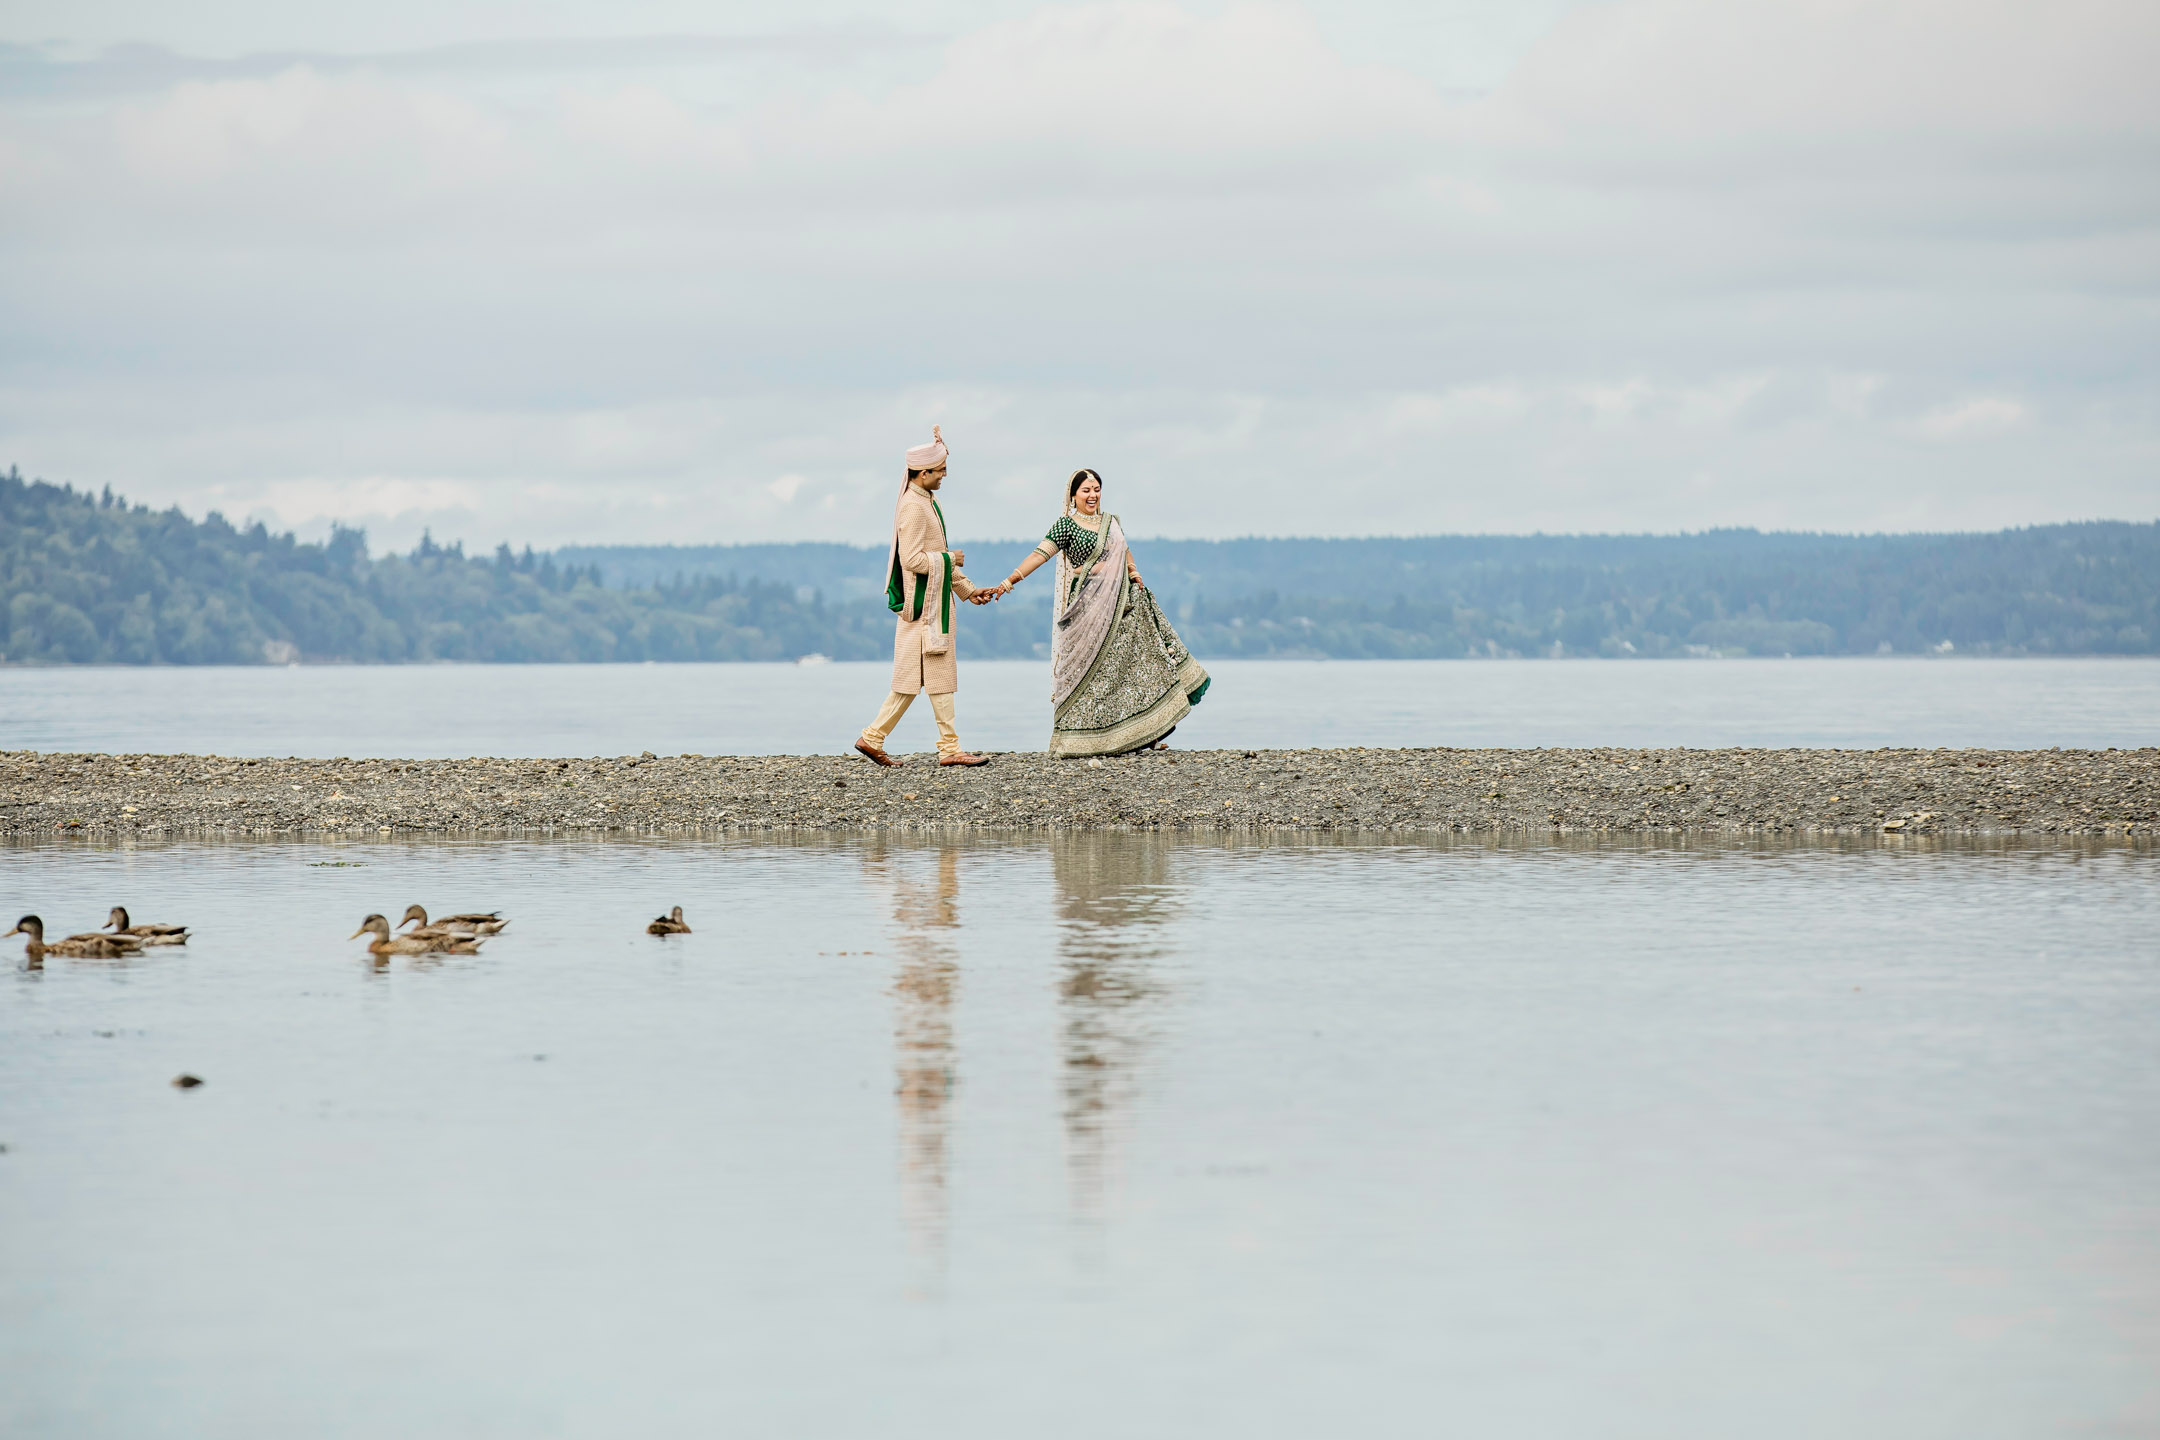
(444, 711)
(1089, 1137)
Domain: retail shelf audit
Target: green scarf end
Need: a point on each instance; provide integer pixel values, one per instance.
(896, 586)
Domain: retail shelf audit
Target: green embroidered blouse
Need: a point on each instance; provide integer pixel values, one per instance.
(1076, 540)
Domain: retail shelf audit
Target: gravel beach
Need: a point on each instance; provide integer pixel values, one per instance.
(1948, 792)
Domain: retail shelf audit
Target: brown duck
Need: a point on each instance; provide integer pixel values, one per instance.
(385, 943)
(471, 923)
(91, 946)
(148, 934)
(671, 923)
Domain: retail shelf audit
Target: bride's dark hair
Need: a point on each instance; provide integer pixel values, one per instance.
(1072, 486)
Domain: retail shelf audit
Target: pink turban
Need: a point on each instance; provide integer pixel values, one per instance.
(930, 456)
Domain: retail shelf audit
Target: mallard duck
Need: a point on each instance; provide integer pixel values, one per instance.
(671, 923)
(148, 934)
(92, 946)
(467, 924)
(385, 944)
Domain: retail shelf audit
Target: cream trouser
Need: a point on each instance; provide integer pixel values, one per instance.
(948, 739)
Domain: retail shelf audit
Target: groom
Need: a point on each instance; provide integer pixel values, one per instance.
(923, 581)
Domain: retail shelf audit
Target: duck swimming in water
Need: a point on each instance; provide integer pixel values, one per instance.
(471, 923)
(385, 943)
(92, 946)
(147, 933)
(671, 923)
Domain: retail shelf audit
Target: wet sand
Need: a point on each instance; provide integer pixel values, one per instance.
(1945, 792)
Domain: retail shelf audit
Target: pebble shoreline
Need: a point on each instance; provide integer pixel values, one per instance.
(1617, 791)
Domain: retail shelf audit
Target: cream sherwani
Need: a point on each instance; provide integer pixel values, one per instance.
(924, 557)
(924, 551)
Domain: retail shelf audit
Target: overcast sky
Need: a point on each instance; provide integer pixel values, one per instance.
(653, 272)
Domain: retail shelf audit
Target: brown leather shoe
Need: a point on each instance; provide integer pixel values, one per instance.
(963, 759)
(875, 754)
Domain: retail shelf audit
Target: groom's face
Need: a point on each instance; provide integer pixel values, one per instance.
(931, 479)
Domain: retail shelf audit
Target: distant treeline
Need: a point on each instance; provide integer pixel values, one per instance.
(92, 579)
(88, 578)
(2050, 590)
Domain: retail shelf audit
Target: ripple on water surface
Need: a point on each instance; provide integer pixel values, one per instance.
(1089, 1134)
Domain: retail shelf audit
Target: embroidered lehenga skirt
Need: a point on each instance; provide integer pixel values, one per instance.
(1126, 678)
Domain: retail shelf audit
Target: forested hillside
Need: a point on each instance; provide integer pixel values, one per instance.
(91, 579)
(2048, 590)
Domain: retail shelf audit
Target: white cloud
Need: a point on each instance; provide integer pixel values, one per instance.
(1489, 406)
(1696, 262)
(1977, 415)
(1103, 94)
(301, 146)
(1177, 462)
(312, 505)
(1717, 74)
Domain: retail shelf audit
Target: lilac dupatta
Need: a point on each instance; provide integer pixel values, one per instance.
(1080, 624)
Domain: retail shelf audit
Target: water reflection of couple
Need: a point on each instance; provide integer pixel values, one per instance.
(1121, 679)
(1112, 902)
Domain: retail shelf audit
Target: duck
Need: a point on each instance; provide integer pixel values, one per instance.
(671, 923)
(147, 933)
(386, 944)
(92, 946)
(471, 923)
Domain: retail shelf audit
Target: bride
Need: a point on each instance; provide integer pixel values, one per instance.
(1120, 677)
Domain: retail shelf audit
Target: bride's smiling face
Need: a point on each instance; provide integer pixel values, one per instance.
(1089, 496)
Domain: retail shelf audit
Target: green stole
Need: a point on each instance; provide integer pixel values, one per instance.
(896, 583)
